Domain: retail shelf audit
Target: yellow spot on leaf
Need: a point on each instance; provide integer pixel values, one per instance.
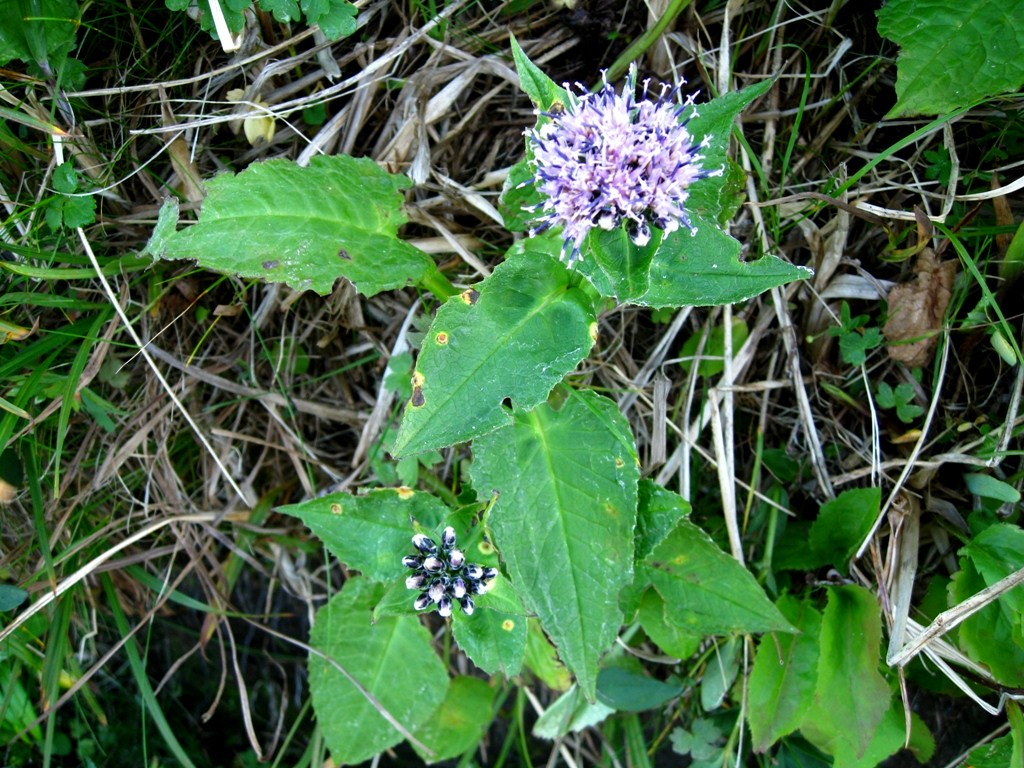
(441, 338)
(508, 625)
(593, 332)
(619, 463)
(485, 548)
(405, 493)
(336, 509)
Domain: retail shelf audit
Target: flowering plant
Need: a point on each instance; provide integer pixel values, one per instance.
(624, 198)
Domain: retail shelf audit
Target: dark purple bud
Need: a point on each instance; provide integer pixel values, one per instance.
(411, 561)
(445, 606)
(489, 573)
(474, 572)
(458, 587)
(436, 591)
(424, 543)
(419, 581)
(431, 564)
(467, 605)
(448, 538)
(482, 587)
(423, 601)
(640, 234)
(456, 559)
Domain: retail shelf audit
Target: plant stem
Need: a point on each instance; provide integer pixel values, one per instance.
(439, 285)
(639, 46)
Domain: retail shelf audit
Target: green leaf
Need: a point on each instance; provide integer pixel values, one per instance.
(997, 552)
(336, 18)
(460, 722)
(564, 519)
(990, 487)
(707, 591)
(851, 697)
(539, 87)
(38, 31)
(305, 226)
(11, 597)
(495, 641)
(889, 738)
(515, 335)
(671, 639)
(570, 712)
(372, 532)
(993, 636)
(70, 211)
(705, 270)
(627, 691)
(658, 512)
(981, 38)
(542, 659)
(782, 680)
(615, 266)
(842, 524)
(393, 660)
(713, 121)
(282, 10)
(711, 362)
(997, 753)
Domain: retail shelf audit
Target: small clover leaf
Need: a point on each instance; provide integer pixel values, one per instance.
(901, 398)
(855, 339)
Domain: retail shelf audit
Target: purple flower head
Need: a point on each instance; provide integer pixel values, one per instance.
(607, 158)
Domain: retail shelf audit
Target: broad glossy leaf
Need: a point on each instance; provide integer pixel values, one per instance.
(305, 226)
(851, 697)
(372, 532)
(953, 54)
(515, 335)
(842, 524)
(460, 722)
(889, 738)
(626, 691)
(704, 269)
(393, 660)
(705, 590)
(782, 680)
(564, 519)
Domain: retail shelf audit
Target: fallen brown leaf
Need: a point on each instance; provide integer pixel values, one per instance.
(916, 308)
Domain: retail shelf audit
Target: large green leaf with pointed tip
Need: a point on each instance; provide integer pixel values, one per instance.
(514, 336)
(705, 590)
(953, 53)
(564, 519)
(304, 226)
(459, 724)
(392, 660)
(784, 674)
(370, 533)
(851, 696)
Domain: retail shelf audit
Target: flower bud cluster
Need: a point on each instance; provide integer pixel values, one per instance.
(443, 577)
(607, 158)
